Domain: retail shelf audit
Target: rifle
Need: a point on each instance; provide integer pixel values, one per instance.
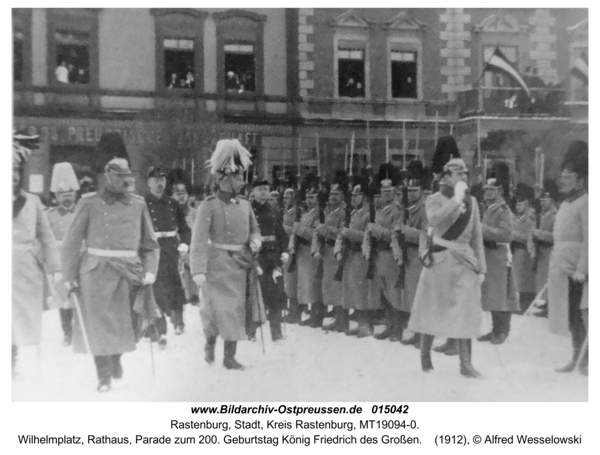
(401, 236)
(341, 245)
(293, 243)
(317, 239)
(369, 240)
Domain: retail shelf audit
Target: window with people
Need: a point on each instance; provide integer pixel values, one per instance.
(351, 73)
(404, 74)
(239, 67)
(18, 59)
(72, 57)
(179, 63)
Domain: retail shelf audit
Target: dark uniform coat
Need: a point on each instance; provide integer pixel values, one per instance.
(290, 278)
(522, 262)
(309, 283)
(498, 292)
(387, 271)
(108, 224)
(448, 299)
(334, 221)
(417, 224)
(189, 286)
(356, 287)
(168, 216)
(222, 220)
(34, 254)
(545, 243)
(269, 256)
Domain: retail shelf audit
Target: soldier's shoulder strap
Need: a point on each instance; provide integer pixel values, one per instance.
(244, 198)
(138, 197)
(88, 195)
(210, 198)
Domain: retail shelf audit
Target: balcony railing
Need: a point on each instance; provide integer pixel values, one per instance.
(512, 102)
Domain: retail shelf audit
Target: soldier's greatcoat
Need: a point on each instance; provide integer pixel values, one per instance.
(417, 224)
(356, 287)
(34, 254)
(60, 220)
(545, 243)
(334, 221)
(222, 220)
(498, 292)
(309, 283)
(387, 271)
(168, 216)
(570, 255)
(108, 226)
(189, 286)
(522, 262)
(448, 299)
(290, 278)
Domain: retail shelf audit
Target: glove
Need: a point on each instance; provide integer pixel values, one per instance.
(149, 278)
(460, 189)
(70, 285)
(199, 279)
(255, 245)
(296, 228)
(320, 229)
(276, 274)
(183, 248)
(56, 277)
(344, 232)
(318, 256)
(579, 277)
(481, 277)
(285, 258)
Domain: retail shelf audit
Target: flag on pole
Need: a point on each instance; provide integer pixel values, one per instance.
(499, 62)
(580, 68)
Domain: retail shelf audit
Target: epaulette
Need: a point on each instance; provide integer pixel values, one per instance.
(243, 197)
(86, 195)
(210, 198)
(137, 196)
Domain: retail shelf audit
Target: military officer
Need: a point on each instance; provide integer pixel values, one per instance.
(324, 242)
(121, 252)
(522, 263)
(225, 239)
(568, 275)
(269, 257)
(64, 185)
(498, 292)
(174, 235)
(291, 214)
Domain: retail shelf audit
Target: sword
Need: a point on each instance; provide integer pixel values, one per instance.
(86, 340)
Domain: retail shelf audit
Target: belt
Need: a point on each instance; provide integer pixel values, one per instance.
(382, 246)
(112, 253)
(228, 247)
(269, 238)
(22, 246)
(330, 242)
(443, 244)
(302, 241)
(163, 234)
(489, 244)
(518, 245)
(567, 244)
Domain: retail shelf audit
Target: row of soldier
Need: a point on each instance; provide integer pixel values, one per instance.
(361, 255)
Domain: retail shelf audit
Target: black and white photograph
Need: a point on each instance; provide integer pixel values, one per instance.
(289, 204)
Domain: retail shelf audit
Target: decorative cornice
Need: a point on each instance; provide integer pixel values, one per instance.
(239, 13)
(351, 19)
(500, 23)
(402, 21)
(161, 12)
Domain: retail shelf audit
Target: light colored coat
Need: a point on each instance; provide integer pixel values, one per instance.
(570, 255)
(544, 249)
(522, 262)
(60, 220)
(106, 282)
(290, 279)
(498, 292)
(309, 284)
(34, 254)
(230, 222)
(448, 299)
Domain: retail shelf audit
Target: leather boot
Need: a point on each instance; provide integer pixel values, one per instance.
(364, 328)
(294, 315)
(319, 314)
(275, 327)
(398, 326)
(412, 341)
(389, 326)
(116, 371)
(177, 320)
(335, 323)
(14, 352)
(426, 343)
(464, 352)
(103, 371)
(308, 322)
(448, 348)
(344, 321)
(354, 332)
(229, 360)
(209, 349)
(576, 344)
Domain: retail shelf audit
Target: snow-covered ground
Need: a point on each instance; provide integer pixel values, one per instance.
(309, 365)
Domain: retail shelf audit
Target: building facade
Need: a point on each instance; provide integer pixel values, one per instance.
(302, 88)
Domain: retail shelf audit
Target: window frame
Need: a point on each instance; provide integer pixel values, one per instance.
(224, 37)
(164, 30)
(403, 43)
(351, 41)
(77, 20)
(21, 21)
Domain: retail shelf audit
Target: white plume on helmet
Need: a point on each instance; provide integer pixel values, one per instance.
(63, 178)
(229, 157)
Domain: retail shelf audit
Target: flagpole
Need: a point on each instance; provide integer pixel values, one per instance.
(368, 143)
(298, 157)
(436, 127)
(352, 153)
(346, 159)
(403, 144)
(417, 154)
(318, 157)
(192, 174)
(387, 148)
(479, 142)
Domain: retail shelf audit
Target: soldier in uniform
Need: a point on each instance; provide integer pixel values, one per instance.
(411, 232)
(291, 277)
(121, 252)
(448, 298)
(274, 203)
(355, 286)
(64, 185)
(323, 244)
(498, 293)
(387, 269)
(35, 254)
(541, 239)
(174, 235)
(269, 257)
(522, 263)
(568, 275)
(309, 281)
(225, 238)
